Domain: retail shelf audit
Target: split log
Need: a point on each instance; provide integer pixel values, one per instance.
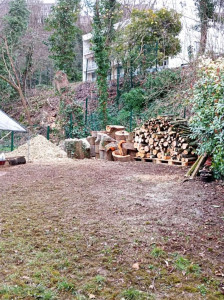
(112, 129)
(131, 136)
(105, 139)
(121, 158)
(151, 141)
(122, 135)
(128, 146)
(184, 146)
(91, 140)
(141, 155)
(159, 155)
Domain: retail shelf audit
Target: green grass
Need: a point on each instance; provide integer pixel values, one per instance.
(183, 264)
(202, 289)
(158, 252)
(39, 262)
(100, 279)
(66, 286)
(133, 294)
(20, 292)
(79, 296)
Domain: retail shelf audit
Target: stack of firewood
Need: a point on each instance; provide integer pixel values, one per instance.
(165, 137)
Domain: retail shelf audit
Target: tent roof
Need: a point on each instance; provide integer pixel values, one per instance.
(7, 123)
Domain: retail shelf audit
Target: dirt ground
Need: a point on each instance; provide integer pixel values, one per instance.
(104, 230)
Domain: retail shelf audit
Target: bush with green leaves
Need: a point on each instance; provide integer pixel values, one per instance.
(149, 39)
(133, 100)
(72, 120)
(159, 84)
(207, 122)
(128, 112)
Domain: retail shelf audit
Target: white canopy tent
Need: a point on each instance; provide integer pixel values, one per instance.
(7, 123)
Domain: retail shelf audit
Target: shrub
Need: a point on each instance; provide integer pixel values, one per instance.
(134, 99)
(207, 123)
(72, 120)
(159, 84)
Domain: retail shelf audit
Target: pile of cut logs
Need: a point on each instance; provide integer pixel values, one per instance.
(114, 144)
(165, 137)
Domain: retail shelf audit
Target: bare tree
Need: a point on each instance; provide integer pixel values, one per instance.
(12, 77)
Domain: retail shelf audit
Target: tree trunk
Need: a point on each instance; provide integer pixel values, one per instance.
(15, 83)
(203, 38)
(24, 105)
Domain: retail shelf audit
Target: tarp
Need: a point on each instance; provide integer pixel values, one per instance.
(7, 123)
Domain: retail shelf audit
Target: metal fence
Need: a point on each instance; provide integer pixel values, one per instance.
(12, 140)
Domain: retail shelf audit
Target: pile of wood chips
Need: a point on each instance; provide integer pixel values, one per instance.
(165, 137)
(39, 149)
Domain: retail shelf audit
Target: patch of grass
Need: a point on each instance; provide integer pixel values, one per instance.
(173, 279)
(133, 294)
(183, 264)
(62, 263)
(194, 268)
(202, 289)
(151, 267)
(91, 287)
(38, 292)
(158, 252)
(11, 290)
(106, 250)
(65, 286)
(189, 289)
(79, 296)
(100, 279)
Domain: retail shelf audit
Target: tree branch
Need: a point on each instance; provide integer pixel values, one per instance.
(9, 82)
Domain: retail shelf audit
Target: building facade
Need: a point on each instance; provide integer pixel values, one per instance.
(189, 39)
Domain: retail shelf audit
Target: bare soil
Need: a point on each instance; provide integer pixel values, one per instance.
(85, 229)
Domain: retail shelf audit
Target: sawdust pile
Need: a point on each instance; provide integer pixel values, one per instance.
(40, 149)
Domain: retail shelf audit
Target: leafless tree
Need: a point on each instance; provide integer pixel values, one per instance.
(12, 77)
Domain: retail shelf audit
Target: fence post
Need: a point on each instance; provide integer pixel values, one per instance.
(131, 74)
(118, 82)
(86, 112)
(48, 132)
(91, 121)
(12, 140)
(87, 62)
(157, 46)
(184, 112)
(70, 125)
(130, 127)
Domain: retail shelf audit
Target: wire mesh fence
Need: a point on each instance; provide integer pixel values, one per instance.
(10, 141)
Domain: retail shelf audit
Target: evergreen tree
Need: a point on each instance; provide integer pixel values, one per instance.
(16, 21)
(149, 39)
(65, 34)
(103, 34)
(206, 11)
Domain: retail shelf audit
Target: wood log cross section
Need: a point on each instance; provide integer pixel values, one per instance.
(165, 137)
